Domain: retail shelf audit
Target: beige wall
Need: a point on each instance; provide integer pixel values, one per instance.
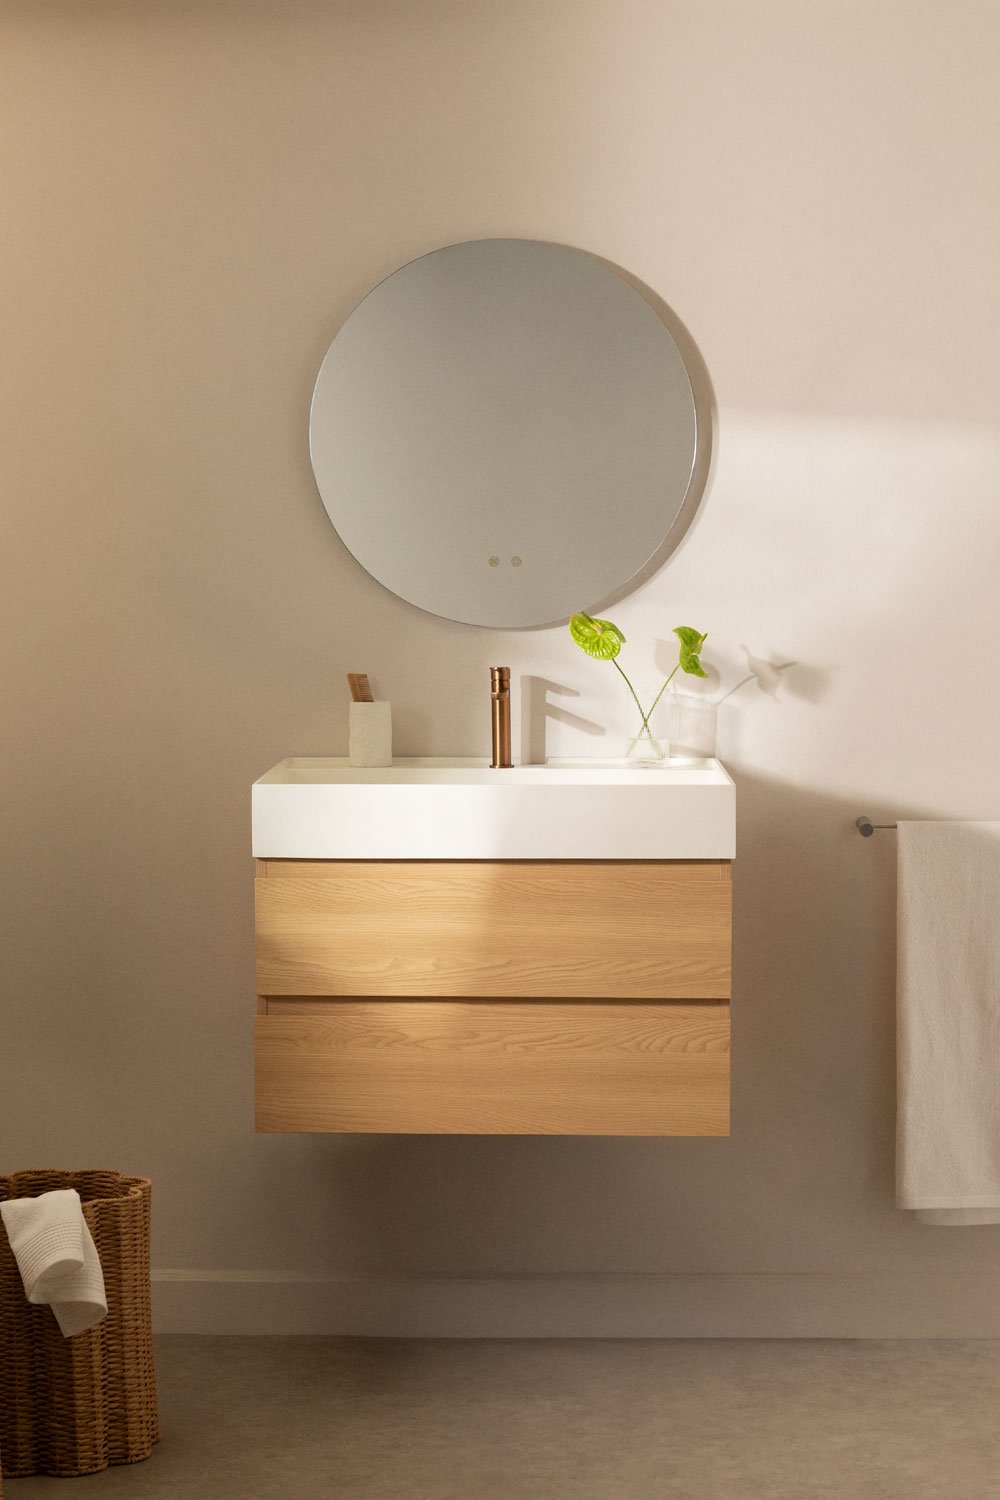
(195, 194)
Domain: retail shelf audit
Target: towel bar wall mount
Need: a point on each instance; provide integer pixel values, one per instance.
(866, 827)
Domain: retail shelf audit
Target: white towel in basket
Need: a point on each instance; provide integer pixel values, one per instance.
(57, 1257)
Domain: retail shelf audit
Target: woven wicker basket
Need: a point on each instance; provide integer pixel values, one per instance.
(72, 1406)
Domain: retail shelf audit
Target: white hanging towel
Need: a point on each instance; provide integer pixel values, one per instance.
(948, 1022)
(57, 1257)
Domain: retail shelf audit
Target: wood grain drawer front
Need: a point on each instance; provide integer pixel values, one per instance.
(580, 931)
(482, 1068)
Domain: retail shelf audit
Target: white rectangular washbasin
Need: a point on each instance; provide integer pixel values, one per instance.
(462, 809)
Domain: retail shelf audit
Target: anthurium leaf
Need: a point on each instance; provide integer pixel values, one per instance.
(691, 644)
(598, 638)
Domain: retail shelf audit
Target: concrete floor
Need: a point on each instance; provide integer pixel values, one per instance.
(257, 1418)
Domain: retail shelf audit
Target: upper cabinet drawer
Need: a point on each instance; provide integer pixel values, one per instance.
(482, 929)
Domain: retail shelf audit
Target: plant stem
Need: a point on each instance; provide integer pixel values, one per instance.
(645, 722)
(660, 694)
(644, 715)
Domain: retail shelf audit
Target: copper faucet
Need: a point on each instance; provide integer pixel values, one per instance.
(500, 702)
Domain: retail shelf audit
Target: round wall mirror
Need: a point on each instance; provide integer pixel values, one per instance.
(504, 432)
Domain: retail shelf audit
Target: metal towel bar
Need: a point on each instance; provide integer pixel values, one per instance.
(866, 827)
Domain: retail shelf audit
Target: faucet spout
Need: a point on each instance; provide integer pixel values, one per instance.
(500, 704)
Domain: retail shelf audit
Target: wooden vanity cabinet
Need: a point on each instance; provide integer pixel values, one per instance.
(493, 997)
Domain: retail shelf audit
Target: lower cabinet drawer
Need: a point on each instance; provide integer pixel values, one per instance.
(475, 1067)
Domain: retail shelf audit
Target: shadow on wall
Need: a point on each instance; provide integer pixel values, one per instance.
(805, 1182)
(797, 679)
(536, 710)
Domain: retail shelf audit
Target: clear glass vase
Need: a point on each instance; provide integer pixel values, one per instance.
(646, 750)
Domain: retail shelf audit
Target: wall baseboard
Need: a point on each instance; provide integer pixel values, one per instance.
(878, 1305)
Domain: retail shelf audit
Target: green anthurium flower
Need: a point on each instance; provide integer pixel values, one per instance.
(600, 638)
(691, 644)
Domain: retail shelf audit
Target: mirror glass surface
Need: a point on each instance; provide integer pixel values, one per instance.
(504, 432)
